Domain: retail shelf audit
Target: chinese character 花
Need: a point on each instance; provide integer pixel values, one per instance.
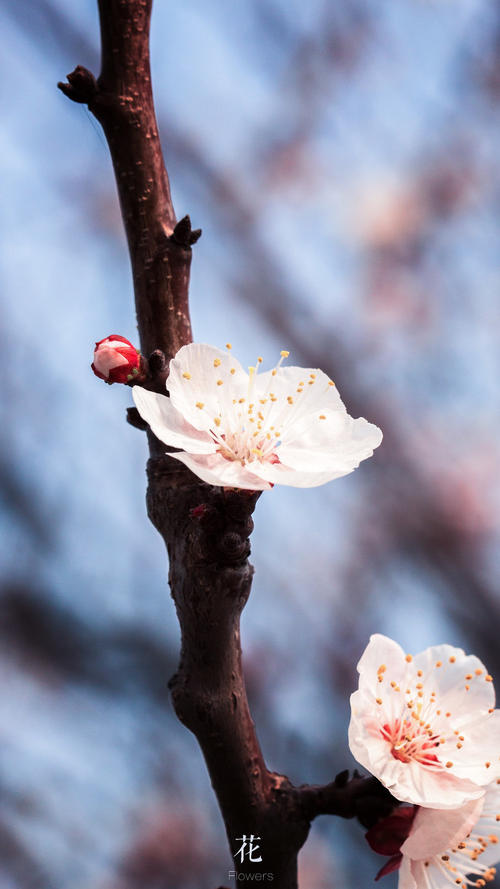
(248, 848)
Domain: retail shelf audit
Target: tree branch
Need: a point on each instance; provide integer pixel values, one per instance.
(122, 101)
(363, 798)
(205, 529)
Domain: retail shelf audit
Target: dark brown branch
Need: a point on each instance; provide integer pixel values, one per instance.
(363, 798)
(206, 532)
(205, 529)
(122, 100)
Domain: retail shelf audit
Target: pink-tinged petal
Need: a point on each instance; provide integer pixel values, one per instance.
(106, 358)
(478, 757)
(202, 375)
(406, 879)
(215, 470)
(169, 425)
(390, 866)
(381, 652)
(434, 831)
(488, 826)
(457, 670)
(409, 782)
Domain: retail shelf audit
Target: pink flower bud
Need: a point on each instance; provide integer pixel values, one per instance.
(116, 360)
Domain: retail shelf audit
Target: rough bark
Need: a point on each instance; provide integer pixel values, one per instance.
(205, 529)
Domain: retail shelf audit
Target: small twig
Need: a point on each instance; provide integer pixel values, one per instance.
(360, 797)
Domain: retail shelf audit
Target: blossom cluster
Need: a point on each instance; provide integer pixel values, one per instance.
(426, 726)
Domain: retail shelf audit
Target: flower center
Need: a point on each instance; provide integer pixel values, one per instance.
(245, 448)
(414, 721)
(411, 742)
(249, 428)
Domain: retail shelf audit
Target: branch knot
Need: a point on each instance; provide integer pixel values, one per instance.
(81, 87)
(183, 234)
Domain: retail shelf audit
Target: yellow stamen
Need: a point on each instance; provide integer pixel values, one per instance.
(186, 375)
(216, 362)
(219, 382)
(217, 421)
(200, 405)
(228, 346)
(284, 353)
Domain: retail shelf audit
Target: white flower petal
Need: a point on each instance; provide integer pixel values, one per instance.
(406, 880)
(193, 380)
(381, 651)
(168, 424)
(453, 848)
(423, 877)
(409, 782)
(479, 759)
(434, 831)
(283, 475)
(283, 383)
(450, 678)
(330, 440)
(215, 470)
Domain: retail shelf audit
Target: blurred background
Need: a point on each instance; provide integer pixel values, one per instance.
(342, 160)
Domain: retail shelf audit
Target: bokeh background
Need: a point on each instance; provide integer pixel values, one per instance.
(342, 160)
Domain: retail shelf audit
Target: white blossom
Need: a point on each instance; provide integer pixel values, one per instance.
(425, 725)
(252, 430)
(453, 848)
